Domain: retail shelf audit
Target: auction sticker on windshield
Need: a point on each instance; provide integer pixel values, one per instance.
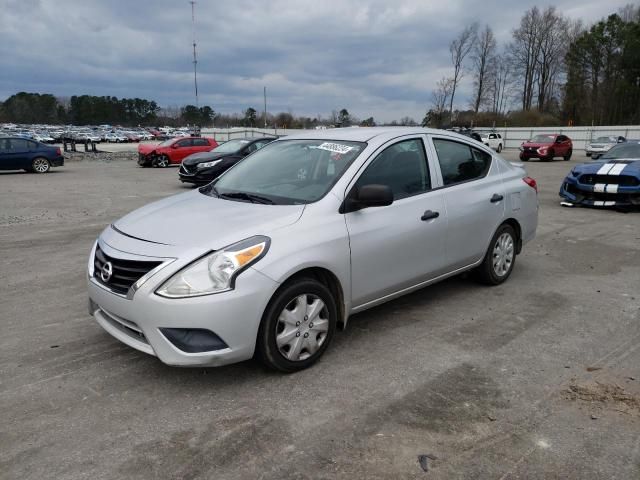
(335, 148)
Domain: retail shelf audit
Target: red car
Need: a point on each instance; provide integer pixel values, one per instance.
(546, 147)
(171, 152)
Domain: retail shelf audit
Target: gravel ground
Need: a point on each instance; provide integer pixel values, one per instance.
(534, 379)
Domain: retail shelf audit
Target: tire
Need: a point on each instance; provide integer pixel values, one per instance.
(499, 147)
(40, 165)
(494, 270)
(162, 161)
(282, 344)
(144, 162)
(567, 157)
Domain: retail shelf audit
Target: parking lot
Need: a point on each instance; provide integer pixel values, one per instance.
(536, 378)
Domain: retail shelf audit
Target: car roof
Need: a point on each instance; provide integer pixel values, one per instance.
(365, 134)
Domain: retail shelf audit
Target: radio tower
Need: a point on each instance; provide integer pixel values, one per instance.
(195, 58)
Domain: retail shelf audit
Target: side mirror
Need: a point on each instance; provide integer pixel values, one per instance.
(373, 195)
(175, 145)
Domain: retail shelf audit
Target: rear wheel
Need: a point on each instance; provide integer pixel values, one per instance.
(297, 326)
(499, 147)
(40, 165)
(567, 157)
(500, 258)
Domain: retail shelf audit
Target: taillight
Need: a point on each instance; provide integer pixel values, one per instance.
(58, 152)
(531, 182)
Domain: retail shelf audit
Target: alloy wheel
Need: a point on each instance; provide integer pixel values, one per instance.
(40, 165)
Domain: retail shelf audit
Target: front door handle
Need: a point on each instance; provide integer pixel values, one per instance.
(496, 198)
(429, 215)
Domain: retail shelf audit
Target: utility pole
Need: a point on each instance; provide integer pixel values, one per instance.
(265, 107)
(195, 58)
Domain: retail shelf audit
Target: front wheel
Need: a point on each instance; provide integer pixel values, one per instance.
(500, 258)
(297, 326)
(567, 157)
(40, 165)
(162, 161)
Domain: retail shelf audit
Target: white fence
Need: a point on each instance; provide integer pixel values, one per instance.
(512, 136)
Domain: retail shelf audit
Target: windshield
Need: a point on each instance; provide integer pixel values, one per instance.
(543, 139)
(605, 140)
(231, 146)
(288, 171)
(623, 150)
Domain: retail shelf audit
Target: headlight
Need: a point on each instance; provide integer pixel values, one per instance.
(209, 164)
(521, 148)
(216, 271)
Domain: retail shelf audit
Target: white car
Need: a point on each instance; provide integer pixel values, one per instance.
(115, 138)
(493, 140)
(601, 145)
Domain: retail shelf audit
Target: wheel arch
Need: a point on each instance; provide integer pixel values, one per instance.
(513, 223)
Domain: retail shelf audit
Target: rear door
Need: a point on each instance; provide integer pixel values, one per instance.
(403, 244)
(474, 197)
(201, 145)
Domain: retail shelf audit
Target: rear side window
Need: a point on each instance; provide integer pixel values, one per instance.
(19, 145)
(459, 162)
(402, 166)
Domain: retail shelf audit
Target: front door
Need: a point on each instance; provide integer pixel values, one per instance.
(400, 245)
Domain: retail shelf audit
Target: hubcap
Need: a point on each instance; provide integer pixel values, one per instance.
(302, 327)
(503, 254)
(40, 165)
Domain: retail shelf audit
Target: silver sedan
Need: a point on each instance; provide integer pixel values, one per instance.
(274, 255)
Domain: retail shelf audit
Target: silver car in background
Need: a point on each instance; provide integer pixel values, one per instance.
(272, 256)
(601, 145)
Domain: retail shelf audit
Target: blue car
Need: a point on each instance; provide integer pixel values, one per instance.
(22, 154)
(611, 181)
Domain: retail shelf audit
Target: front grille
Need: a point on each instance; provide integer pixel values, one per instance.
(622, 180)
(124, 273)
(188, 169)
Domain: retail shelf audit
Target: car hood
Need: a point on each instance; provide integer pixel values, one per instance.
(193, 219)
(203, 157)
(631, 167)
(144, 147)
(536, 144)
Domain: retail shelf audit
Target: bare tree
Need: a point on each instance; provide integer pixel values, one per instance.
(525, 50)
(482, 53)
(459, 49)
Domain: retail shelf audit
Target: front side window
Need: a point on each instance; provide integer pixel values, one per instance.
(184, 143)
(402, 167)
(459, 162)
(200, 142)
(287, 172)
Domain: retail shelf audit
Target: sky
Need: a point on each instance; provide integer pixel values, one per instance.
(374, 58)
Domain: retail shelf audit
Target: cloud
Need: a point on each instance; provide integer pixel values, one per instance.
(375, 58)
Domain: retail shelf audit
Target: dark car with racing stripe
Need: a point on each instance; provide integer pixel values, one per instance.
(18, 153)
(202, 168)
(611, 181)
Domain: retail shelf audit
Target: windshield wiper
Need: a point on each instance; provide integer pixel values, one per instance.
(251, 197)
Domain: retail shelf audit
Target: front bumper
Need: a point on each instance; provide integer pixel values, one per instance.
(599, 195)
(234, 316)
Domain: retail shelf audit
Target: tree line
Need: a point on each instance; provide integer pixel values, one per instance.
(553, 71)
(45, 108)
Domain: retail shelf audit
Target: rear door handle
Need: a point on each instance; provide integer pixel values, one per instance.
(429, 215)
(496, 198)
